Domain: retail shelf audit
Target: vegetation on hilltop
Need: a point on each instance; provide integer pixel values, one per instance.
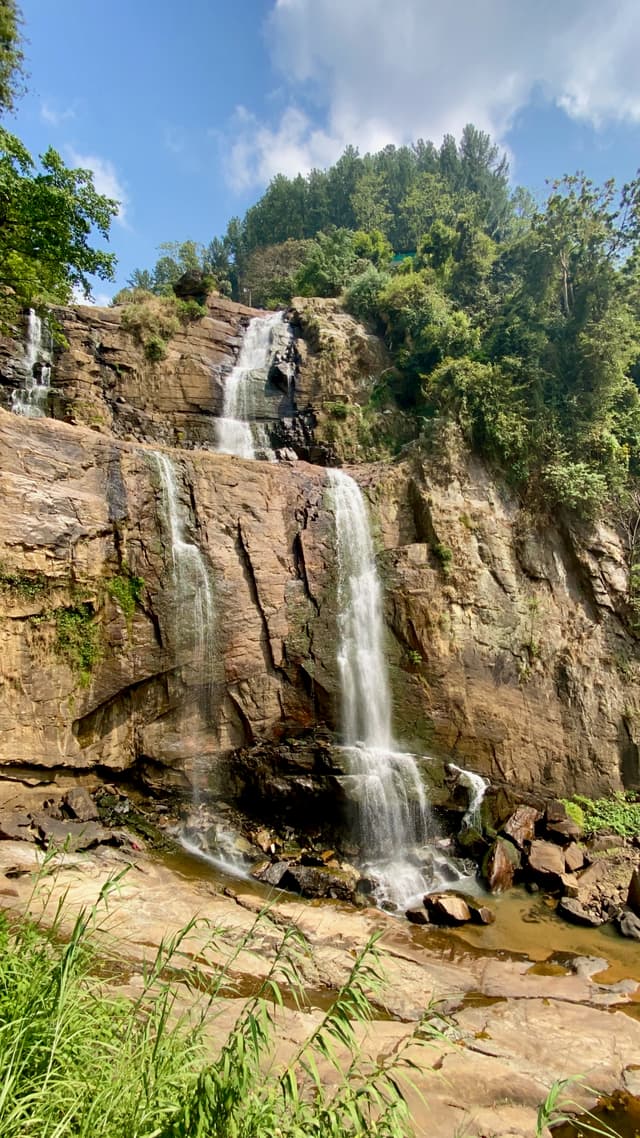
(517, 320)
(48, 212)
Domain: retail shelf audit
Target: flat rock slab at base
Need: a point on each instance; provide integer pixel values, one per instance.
(486, 1075)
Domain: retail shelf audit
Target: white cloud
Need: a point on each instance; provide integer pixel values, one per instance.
(105, 179)
(379, 73)
(54, 116)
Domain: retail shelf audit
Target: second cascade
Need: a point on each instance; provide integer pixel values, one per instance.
(246, 409)
(396, 829)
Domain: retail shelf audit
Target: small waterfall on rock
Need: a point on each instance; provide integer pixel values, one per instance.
(477, 787)
(192, 588)
(394, 816)
(238, 431)
(30, 400)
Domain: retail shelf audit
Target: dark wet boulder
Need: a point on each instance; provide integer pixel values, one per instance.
(633, 895)
(417, 916)
(500, 865)
(320, 881)
(573, 910)
(472, 843)
(521, 826)
(629, 924)
(446, 909)
(271, 872)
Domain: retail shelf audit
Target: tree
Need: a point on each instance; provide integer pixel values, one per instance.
(11, 56)
(47, 219)
(48, 213)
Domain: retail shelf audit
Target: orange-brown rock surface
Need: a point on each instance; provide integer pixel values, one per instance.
(508, 641)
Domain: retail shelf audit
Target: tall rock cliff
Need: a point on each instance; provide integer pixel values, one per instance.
(509, 640)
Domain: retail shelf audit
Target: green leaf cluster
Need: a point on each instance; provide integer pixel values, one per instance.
(78, 640)
(618, 814)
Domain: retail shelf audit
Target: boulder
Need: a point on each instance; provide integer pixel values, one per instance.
(319, 881)
(446, 909)
(564, 831)
(629, 924)
(521, 826)
(271, 872)
(16, 827)
(633, 895)
(417, 916)
(71, 835)
(573, 910)
(79, 804)
(574, 858)
(481, 914)
(546, 862)
(500, 865)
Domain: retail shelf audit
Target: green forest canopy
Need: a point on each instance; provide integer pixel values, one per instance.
(518, 320)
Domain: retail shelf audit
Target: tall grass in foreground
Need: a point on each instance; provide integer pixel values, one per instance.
(77, 1060)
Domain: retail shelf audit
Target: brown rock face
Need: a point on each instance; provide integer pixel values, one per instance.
(507, 645)
(447, 909)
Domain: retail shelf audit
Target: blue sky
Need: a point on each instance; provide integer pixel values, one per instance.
(185, 111)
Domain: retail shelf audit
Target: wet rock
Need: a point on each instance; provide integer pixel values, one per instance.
(574, 858)
(16, 827)
(500, 865)
(316, 881)
(573, 910)
(417, 916)
(521, 826)
(271, 872)
(446, 909)
(633, 895)
(472, 843)
(629, 924)
(481, 914)
(79, 804)
(546, 861)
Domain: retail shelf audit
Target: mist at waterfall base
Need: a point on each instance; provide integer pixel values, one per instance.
(238, 431)
(396, 829)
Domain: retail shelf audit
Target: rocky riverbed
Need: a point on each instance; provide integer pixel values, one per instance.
(511, 1026)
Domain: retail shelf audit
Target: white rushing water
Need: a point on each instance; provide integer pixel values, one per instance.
(477, 787)
(30, 400)
(394, 817)
(238, 431)
(193, 595)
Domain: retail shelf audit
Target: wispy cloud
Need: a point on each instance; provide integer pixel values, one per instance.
(105, 179)
(56, 116)
(376, 74)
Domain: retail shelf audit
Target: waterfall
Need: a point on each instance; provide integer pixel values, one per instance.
(30, 400)
(193, 596)
(393, 813)
(477, 786)
(238, 431)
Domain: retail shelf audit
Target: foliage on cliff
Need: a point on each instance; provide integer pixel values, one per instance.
(48, 213)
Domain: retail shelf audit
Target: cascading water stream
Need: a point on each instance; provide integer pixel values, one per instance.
(477, 787)
(238, 431)
(192, 588)
(395, 821)
(30, 400)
